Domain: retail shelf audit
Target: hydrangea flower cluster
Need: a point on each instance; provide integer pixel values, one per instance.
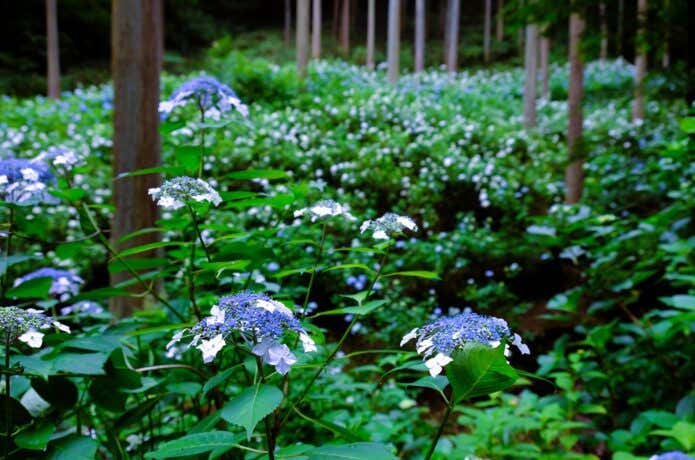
(211, 96)
(175, 193)
(65, 283)
(260, 321)
(87, 307)
(59, 157)
(25, 325)
(24, 182)
(445, 335)
(325, 209)
(675, 455)
(388, 226)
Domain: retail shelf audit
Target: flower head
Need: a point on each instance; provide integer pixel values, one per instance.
(26, 325)
(389, 225)
(83, 306)
(210, 96)
(438, 340)
(60, 157)
(24, 182)
(325, 209)
(175, 193)
(256, 319)
(674, 455)
(64, 284)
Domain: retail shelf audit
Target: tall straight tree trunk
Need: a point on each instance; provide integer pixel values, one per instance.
(345, 28)
(531, 68)
(604, 31)
(499, 29)
(487, 31)
(574, 175)
(419, 35)
(136, 51)
(370, 33)
(287, 34)
(335, 23)
(452, 35)
(52, 51)
(640, 61)
(545, 66)
(302, 27)
(316, 30)
(665, 56)
(619, 32)
(394, 38)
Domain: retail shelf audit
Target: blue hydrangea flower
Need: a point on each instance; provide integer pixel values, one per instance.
(65, 284)
(445, 335)
(208, 94)
(25, 325)
(675, 455)
(258, 320)
(59, 157)
(325, 209)
(87, 307)
(175, 193)
(24, 182)
(388, 226)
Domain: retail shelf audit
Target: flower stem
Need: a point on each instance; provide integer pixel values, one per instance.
(269, 432)
(198, 232)
(8, 423)
(337, 348)
(8, 245)
(202, 141)
(313, 272)
(439, 432)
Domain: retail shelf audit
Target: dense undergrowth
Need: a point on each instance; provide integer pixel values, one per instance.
(602, 292)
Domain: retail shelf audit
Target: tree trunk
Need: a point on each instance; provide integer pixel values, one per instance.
(302, 27)
(452, 35)
(499, 31)
(619, 32)
(52, 51)
(531, 67)
(419, 35)
(545, 66)
(487, 31)
(288, 23)
(335, 23)
(393, 45)
(345, 28)
(574, 175)
(665, 56)
(640, 61)
(604, 31)
(136, 40)
(316, 30)
(370, 34)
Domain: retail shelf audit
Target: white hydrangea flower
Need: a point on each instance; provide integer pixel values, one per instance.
(175, 193)
(325, 208)
(33, 338)
(211, 347)
(436, 364)
(388, 226)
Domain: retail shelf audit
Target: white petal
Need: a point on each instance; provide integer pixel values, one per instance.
(307, 343)
(211, 347)
(61, 327)
(32, 338)
(409, 336)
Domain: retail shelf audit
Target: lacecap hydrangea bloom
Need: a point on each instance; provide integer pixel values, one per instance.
(257, 320)
(209, 95)
(675, 455)
(438, 340)
(64, 285)
(26, 325)
(24, 182)
(388, 226)
(175, 193)
(59, 157)
(325, 209)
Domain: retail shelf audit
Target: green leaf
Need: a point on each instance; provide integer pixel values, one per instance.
(359, 310)
(14, 259)
(188, 156)
(355, 451)
(221, 267)
(35, 288)
(35, 438)
(194, 444)
(687, 125)
(171, 170)
(257, 174)
(74, 448)
(686, 302)
(416, 274)
(478, 370)
(80, 363)
(149, 247)
(683, 432)
(349, 267)
(438, 384)
(251, 406)
(218, 379)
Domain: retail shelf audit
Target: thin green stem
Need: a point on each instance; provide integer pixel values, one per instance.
(8, 245)
(270, 439)
(198, 232)
(202, 141)
(319, 255)
(439, 432)
(8, 423)
(337, 348)
(107, 245)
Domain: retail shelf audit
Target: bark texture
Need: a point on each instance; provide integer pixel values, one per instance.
(531, 82)
(640, 61)
(452, 35)
(52, 51)
(487, 30)
(545, 66)
(287, 32)
(394, 38)
(604, 31)
(345, 27)
(574, 174)
(419, 35)
(370, 33)
(302, 36)
(316, 30)
(136, 40)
